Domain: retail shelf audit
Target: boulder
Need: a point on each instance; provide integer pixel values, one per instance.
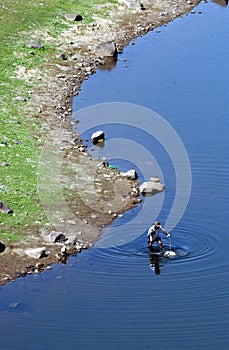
(151, 187)
(98, 136)
(130, 174)
(36, 253)
(106, 49)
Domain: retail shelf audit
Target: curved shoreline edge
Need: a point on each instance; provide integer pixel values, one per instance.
(51, 104)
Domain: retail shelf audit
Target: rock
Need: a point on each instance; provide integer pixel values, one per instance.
(62, 57)
(4, 209)
(23, 273)
(151, 187)
(73, 17)
(2, 247)
(36, 253)
(64, 251)
(55, 237)
(130, 174)
(136, 200)
(94, 216)
(20, 98)
(98, 136)
(79, 246)
(5, 164)
(39, 266)
(13, 305)
(36, 45)
(17, 142)
(154, 179)
(106, 49)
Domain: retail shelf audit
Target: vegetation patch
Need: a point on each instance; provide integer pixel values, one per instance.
(21, 23)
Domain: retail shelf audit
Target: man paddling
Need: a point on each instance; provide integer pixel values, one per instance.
(153, 234)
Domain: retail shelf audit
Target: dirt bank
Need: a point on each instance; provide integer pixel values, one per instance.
(76, 211)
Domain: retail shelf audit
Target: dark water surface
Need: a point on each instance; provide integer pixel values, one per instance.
(112, 298)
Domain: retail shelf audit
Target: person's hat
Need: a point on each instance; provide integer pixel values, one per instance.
(157, 223)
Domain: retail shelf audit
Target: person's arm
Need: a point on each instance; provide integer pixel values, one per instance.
(165, 232)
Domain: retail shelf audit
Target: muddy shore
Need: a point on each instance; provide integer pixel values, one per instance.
(79, 223)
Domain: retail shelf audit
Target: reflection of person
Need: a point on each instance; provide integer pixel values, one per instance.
(154, 263)
(153, 234)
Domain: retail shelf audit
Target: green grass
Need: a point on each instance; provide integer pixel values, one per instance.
(19, 19)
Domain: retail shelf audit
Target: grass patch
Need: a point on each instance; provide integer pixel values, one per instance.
(19, 19)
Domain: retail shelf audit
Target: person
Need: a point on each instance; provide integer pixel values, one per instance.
(153, 234)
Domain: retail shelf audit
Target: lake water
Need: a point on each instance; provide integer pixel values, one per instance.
(118, 296)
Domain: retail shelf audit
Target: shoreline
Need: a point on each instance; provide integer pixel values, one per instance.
(51, 103)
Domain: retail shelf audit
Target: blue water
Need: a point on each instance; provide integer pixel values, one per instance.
(115, 297)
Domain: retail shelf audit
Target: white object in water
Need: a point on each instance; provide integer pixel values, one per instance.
(169, 254)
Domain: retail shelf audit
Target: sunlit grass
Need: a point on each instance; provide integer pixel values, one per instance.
(19, 20)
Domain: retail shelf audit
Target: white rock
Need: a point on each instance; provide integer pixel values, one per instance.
(98, 136)
(53, 236)
(151, 187)
(169, 254)
(154, 179)
(129, 3)
(35, 252)
(130, 174)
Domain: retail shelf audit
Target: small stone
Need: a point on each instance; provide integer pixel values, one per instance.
(62, 57)
(73, 17)
(136, 200)
(93, 216)
(55, 237)
(39, 266)
(20, 98)
(154, 179)
(5, 164)
(4, 209)
(36, 45)
(36, 253)
(120, 216)
(98, 136)
(131, 174)
(64, 251)
(17, 142)
(151, 188)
